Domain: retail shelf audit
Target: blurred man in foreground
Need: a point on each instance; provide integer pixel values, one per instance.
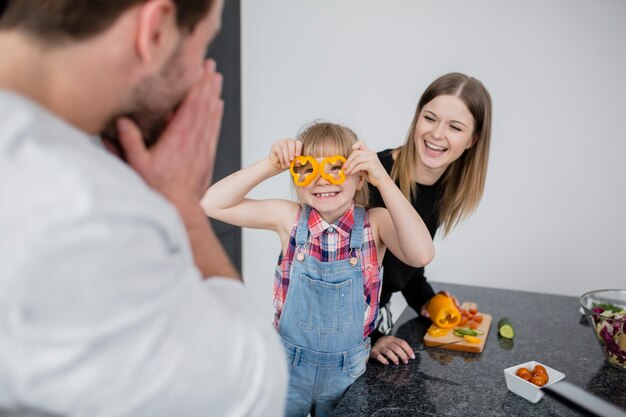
(103, 306)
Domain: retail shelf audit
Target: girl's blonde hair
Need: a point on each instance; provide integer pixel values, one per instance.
(464, 180)
(323, 139)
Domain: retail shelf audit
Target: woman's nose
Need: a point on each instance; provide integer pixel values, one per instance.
(439, 131)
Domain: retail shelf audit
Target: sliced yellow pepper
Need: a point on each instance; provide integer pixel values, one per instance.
(443, 312)
(471, 339)
(436, 331)
(332, 160)
(302, 180)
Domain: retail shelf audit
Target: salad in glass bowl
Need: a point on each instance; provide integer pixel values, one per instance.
(606, 312)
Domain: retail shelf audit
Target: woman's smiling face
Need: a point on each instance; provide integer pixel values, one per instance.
(444, 130)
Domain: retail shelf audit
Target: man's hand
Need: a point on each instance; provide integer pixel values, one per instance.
(180, 165)
(391, 348)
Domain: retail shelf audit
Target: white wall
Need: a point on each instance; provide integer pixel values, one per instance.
(552, 218)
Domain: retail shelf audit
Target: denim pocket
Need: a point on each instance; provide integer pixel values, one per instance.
(324, 307)
(358, 364)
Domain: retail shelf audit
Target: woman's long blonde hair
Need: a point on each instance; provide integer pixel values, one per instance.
(323, 139)
(464, 180)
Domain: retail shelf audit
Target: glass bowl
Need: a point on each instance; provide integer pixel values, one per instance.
(606, 312)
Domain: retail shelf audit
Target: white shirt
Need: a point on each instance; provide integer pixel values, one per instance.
(102, 309)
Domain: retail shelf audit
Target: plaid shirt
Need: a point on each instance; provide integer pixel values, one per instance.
(331, 242)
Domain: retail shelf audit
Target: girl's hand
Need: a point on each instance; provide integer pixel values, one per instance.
(283, 152)
(363, 159)
(390, 348)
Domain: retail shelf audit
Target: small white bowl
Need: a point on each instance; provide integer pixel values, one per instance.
(526, 389)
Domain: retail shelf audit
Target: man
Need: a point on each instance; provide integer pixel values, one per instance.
(103, 310)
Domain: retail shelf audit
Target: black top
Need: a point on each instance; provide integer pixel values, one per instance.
(398, 276)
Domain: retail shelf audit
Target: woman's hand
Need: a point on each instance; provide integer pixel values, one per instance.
(364, 160)
(391, 348)
(283, 152)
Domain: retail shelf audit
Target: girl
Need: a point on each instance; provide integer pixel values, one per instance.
(328, 276)
(442, 169)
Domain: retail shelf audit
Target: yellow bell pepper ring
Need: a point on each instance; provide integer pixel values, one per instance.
(332, 160)
(443, 312)
(304, 179)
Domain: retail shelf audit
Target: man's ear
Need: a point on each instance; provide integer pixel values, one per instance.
(157, 33)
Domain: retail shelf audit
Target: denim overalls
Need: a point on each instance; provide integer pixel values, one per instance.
(322, 324)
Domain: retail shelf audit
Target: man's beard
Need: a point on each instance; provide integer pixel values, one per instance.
(153, 102)
(151, 128)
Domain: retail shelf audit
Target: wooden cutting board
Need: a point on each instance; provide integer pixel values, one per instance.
(463, 345)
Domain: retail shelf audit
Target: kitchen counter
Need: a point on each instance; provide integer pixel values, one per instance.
(548, 329)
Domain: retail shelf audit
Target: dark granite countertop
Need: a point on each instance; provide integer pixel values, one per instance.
(549, 329)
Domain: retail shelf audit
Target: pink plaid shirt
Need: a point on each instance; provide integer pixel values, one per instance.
(331, 242)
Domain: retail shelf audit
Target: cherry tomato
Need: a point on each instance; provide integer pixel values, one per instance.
(524, 374)
(539, 379)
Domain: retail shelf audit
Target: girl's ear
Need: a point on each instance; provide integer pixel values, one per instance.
(361, 182)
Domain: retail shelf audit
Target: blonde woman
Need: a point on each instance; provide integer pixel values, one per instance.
(441, 169)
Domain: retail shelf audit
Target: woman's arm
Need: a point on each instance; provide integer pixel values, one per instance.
(400, 227)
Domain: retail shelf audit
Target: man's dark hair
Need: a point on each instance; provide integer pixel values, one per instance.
(54, 20)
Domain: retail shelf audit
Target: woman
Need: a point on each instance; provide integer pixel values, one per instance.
(441, 169)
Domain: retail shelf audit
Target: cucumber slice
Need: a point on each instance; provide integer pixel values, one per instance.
(505, 328)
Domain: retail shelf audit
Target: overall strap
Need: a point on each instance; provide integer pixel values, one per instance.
(302, 231)
(356, 237)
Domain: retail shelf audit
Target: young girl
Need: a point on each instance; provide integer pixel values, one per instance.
(328, 276)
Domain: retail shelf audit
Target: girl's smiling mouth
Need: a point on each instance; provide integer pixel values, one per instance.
(326, 194)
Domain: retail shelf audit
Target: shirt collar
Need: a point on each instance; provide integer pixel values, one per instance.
(343, 225)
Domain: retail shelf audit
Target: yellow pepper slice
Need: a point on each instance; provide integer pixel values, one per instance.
(471, 339)
(302, 180)
(332, 160)
(436, 331)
